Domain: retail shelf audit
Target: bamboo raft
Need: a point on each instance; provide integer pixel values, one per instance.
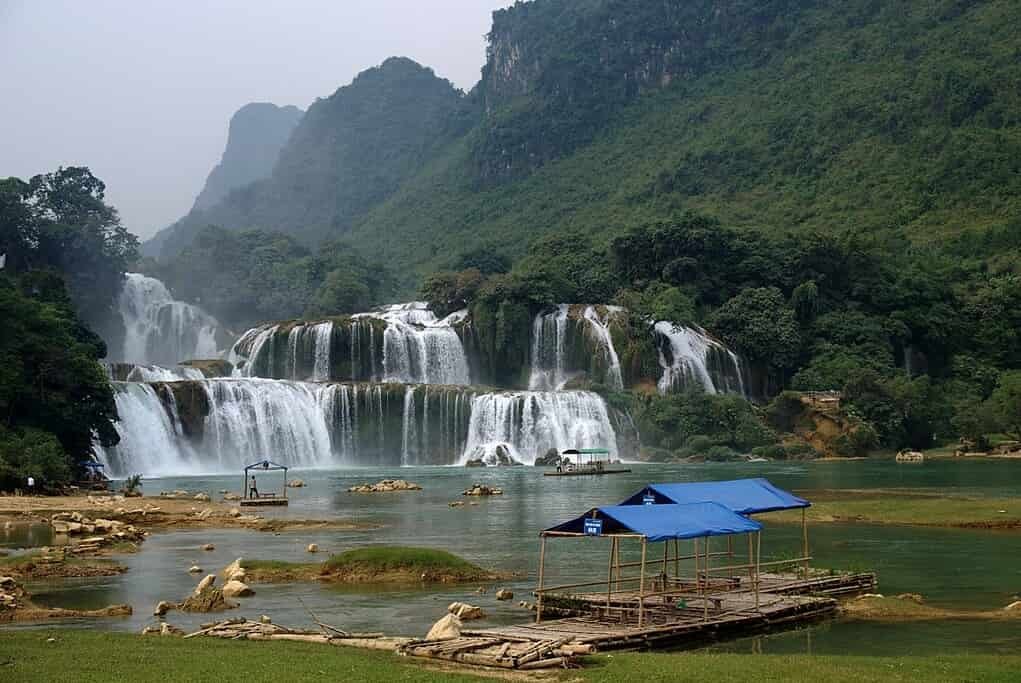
(583, 472)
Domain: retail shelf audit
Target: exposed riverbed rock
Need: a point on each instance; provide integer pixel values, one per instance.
(504, 594)
(386, 486)
(550, 459)
(482, 490)
(232, 496)
(312, 548)
(202, 497)
(466, 612)
(295, 484)
(209, 547)
(447, 628)
(233, 571)
(237, 589)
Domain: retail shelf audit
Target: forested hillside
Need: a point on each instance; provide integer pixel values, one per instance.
(881, 118)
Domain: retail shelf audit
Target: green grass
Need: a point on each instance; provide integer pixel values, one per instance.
(377, 562)
(382, 559)
(921, 510)
(87, 656)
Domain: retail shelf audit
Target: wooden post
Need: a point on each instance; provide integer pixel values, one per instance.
(641, 586)
(542, 566)
(758, 559)
(666, 556)
(677, 559)
(616, 555)
(804, 542)
(698, 577)
(705, 593)
(609, 573)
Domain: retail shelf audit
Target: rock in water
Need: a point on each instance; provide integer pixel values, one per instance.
(313, 547)
(466, 612)
(162, 607)
(204, 497)
(236, 589)
(295, 484)
(447, 628)
(233, 571)
(504, 594)
(209, 546)
(194, 569)
(205, 583)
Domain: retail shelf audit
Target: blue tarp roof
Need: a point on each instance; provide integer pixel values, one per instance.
(663, 522)
(744, 496)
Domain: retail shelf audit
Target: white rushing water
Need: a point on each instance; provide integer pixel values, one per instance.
(160, 330)
(549, 362)
(600, 329)
(151, 439)
(524, 425)
(417, 348)
(692, 357)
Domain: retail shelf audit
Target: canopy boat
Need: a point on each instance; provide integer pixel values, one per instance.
(252, 495)
(586, 462)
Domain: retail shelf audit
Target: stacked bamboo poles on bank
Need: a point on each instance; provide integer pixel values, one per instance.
(500, 652)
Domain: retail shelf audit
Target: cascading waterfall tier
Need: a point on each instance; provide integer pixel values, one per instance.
(160, 330)
(522, 426)
(404, 343)
(689, 357)
(571, 341)
(221, 425)
(127, 372)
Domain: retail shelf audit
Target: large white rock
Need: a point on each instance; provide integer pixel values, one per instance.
(445, 629)
(466, 612)
(204, 584)
(236, 589)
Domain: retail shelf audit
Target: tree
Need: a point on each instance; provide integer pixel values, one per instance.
(1005, 403)
(761, 326)
(50, 380)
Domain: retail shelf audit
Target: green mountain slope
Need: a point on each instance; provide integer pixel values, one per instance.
(879, 117)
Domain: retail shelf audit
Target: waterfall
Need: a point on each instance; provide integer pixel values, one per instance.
(600, 328)
(524, 425)
(230, 422)
(160, 330)
(155, 373)
(253, 352)
(689, 357)
(549, 334)
(323, 333)
(418, 348)
(152, 442)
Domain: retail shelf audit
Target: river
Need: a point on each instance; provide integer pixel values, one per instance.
(954, 568)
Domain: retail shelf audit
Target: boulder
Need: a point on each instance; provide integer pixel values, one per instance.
(205, 583)
(475, 462)
(447, 628)
(209, 546)
(312, 548)
(466, 612)
(295, 484)
(385, 486)
(234, 512)
(203, 497)
(233, 571)
(456, 504)
(60, 527)
(482, 490)
(550, 458)
(504, 594)
(162, 607)
(912, 597)
(232, 496)
(265, 620)
(236, 589)
(168, 630)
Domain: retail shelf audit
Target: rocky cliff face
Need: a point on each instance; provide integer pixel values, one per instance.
(349, 152)
(557, 70)
(257, 133)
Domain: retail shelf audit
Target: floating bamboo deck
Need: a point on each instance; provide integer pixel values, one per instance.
(584, 472)
(259, 502)
(679, 617)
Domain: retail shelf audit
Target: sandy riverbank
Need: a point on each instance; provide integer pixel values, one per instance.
(156, 513)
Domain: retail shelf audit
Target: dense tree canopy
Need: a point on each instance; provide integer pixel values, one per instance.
(54, 395)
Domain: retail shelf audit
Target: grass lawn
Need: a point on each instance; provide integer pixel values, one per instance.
(897, 508)
(85, 656)
(374, 563)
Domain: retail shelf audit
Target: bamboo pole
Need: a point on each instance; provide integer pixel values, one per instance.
(641, 587)
(616, 554)
(677, 561)
(705, 593)
(609, 574)
(698, 577)
(542, 566)
(751, 561)
(804, 541)
(759, 552)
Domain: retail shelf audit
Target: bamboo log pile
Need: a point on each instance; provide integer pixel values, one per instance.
(244, 629)
(500, 652)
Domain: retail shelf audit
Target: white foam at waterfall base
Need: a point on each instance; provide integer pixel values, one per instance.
(529, 423)
(156, 373)
(690, 348)
(160, 330)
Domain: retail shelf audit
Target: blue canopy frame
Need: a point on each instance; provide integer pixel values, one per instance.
(743, 496)
(656, 523)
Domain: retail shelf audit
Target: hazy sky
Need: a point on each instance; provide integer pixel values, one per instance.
(142, 92)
